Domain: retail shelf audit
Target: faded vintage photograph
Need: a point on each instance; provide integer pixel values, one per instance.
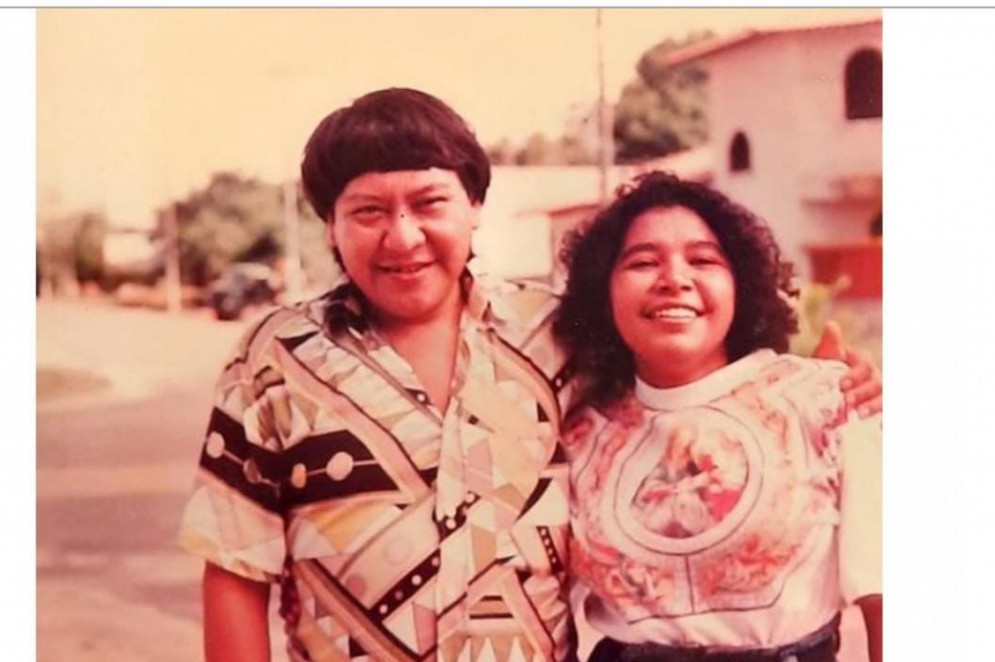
(459, 334)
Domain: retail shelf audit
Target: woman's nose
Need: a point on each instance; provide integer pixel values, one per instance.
(673, 275)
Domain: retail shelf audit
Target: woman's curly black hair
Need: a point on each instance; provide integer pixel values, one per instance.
(763, 316)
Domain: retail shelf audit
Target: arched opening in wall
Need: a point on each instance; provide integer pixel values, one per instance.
(863, 84)
(739, 153)
(877, 225)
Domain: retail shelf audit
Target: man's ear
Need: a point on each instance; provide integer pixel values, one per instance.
(330, 232)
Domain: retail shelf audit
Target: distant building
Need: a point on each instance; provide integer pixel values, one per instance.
(795, 132)
(795, 135)
(517, 236)
(530, 208)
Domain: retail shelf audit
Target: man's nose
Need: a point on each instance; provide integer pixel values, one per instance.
(403, 233)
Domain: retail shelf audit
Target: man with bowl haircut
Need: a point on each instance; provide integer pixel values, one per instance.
(393, 445)
(389, 452)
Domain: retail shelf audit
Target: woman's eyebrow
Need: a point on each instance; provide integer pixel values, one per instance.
(645, 246)
(706, 243)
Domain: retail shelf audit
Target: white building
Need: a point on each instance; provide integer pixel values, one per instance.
(794, 135)
(795, 128)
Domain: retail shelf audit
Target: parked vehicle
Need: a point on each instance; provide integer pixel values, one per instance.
(242, 285)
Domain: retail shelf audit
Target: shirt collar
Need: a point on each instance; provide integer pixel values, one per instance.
(709, 387)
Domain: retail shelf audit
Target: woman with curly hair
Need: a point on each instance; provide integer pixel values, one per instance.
(727, 505)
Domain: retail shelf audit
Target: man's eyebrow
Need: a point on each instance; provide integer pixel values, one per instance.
(434, 187)
(358, 196)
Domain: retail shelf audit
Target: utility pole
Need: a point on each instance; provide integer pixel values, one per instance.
(605, 140)
(174, 292)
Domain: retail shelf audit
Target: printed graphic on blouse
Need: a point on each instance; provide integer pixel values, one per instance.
(400, 532)
(706, 507)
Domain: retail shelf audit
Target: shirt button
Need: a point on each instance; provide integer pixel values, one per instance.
(251, 471)
(298, 476)
(340, 466)
(215, 445)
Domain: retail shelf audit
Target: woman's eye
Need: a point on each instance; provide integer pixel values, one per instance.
(641, 264)
(705, 260)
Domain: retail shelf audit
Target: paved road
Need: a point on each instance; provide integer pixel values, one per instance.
(113, 472)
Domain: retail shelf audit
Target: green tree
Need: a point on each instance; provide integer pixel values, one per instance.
(664, 109)
(501, 152)
(233, 219)
(70, 248)
(89, 253)
(571, 150)
(538, 150)
(577, 144)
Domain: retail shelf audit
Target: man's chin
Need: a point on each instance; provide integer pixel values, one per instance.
(409, 311)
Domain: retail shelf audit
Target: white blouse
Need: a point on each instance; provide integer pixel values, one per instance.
(740, 511)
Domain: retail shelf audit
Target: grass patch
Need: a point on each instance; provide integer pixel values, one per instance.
(60, 382)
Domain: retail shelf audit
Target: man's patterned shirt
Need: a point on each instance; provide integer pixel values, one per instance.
(405, 532)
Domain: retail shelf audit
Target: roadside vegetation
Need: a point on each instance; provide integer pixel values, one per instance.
(53, 383)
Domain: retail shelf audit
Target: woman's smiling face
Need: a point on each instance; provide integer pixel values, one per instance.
(673, 296)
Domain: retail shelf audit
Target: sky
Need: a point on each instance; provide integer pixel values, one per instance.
(139, 106)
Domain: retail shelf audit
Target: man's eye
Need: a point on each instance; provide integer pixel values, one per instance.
(432, 203)
(367, 211)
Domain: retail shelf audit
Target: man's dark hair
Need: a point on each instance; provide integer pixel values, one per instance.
(584, 323)
(385, 131)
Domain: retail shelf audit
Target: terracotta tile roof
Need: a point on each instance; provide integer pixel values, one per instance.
(712, 46)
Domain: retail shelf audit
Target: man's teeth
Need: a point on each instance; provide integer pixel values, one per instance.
(675, 313)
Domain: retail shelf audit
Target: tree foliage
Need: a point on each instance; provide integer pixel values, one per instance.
(241, 219)
(89, 253)
(664, 109)
(577, 144)
(232, 219)
(541, 150)
(71, 246)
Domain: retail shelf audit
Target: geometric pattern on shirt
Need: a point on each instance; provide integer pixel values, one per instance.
(351, 490)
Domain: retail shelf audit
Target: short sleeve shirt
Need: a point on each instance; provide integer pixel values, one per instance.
(739, 511)
(408, 533)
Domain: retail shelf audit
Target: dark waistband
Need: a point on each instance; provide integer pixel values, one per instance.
(827, 635)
